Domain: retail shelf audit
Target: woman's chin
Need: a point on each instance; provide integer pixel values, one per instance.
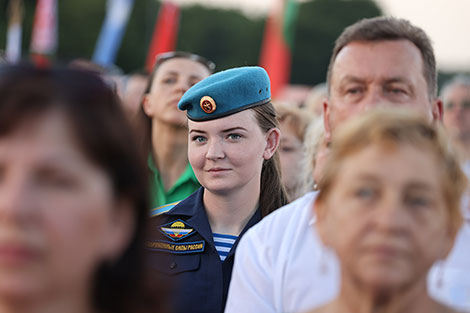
(218, 190)
(385, 281)
(19, 289)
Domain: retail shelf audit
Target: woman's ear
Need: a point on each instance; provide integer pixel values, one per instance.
(146, 106)
(273, 137)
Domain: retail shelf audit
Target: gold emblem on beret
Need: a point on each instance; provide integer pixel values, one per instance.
(208, 104)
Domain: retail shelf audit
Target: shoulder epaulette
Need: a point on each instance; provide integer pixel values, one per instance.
(163, 209)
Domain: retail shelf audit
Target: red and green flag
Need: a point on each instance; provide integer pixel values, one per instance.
(276, 49)
(44, 36)
(165, 32)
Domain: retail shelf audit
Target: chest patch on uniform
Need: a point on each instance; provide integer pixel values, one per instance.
(177, 230)
(174, 247)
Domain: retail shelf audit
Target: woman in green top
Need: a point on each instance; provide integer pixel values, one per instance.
(164, 127)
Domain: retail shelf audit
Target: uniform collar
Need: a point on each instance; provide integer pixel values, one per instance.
(190, 206)
(193, 206)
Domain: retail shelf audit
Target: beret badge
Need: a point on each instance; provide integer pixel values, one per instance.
(208, 104)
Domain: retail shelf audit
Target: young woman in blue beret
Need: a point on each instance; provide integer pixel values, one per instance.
(233, 137)
(164, 127)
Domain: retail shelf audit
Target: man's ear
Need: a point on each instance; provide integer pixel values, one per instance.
(326, 119)
(146, 106)
(437, 110)
(273, 137)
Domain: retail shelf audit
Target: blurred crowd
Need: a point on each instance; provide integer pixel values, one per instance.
(190, 189)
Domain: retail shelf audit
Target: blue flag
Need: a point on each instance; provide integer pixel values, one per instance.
(117, 15)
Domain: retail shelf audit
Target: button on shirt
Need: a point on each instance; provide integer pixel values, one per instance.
(186, 184)
(181, 247)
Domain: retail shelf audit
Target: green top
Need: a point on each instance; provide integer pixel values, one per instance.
(186, 184)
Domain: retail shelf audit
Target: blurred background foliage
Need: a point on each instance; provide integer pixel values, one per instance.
(228, 37)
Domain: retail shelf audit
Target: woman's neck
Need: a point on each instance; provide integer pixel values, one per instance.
(410, 299)
(466, 151)
(169, 151)
(229, 212)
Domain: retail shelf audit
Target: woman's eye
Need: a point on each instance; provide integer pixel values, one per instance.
(192, 83)
(169, 80)
(199, 139)
(417, 201)
(55, 180)
(234, 136)
(364, 193)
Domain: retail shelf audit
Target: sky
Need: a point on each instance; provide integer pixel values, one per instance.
(447, 22)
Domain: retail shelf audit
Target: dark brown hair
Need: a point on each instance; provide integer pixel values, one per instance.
(272, 192)
(389, 28)
(96, 119)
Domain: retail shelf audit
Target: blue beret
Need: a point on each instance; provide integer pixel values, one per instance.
(226, 93)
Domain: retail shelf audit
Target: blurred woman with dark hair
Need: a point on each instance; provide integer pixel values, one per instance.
(73, 197)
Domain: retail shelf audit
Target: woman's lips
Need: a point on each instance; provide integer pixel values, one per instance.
(385, 251)
(16, 253)
(218, 170)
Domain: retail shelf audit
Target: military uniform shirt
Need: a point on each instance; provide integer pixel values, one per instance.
(181, 248)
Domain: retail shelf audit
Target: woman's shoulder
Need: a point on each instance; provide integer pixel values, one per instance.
(158, 211)
(187, 206)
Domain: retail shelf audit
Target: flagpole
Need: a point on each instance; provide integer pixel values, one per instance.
(14, 32)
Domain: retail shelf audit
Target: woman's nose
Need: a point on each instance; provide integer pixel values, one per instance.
(182, 85)
(215, 150)
(14, 198)
(391, 215)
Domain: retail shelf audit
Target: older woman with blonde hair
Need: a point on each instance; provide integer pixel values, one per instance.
(393, 188)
